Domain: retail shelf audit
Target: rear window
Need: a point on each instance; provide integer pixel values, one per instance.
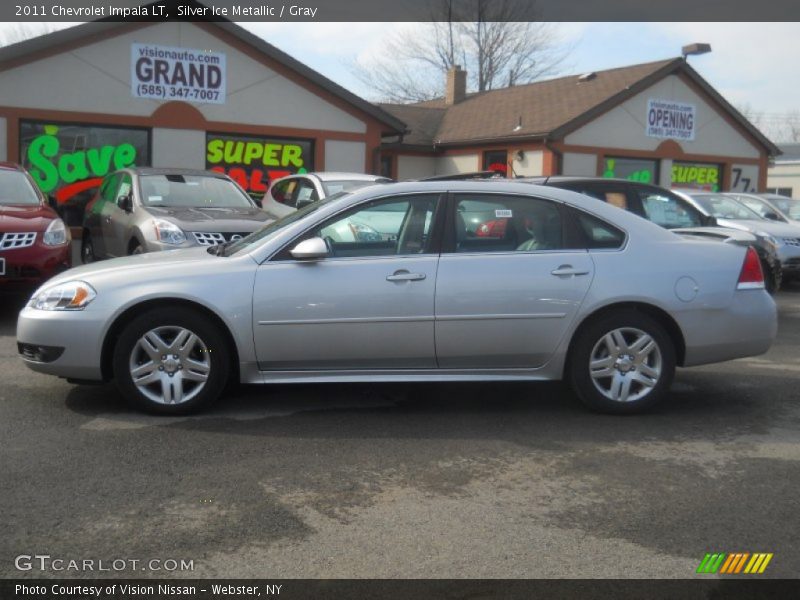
(348, 185)
(16, 188)
(597, 234)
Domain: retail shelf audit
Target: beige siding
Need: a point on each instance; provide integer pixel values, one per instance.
(345, 156)
(180, 148)
(583, 165)
(624, 126)
(415, 167)
(785, 175)
(530, 166)
(255, 94)
(463, 163)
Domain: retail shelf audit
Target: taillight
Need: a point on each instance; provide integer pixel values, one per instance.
(751, 277)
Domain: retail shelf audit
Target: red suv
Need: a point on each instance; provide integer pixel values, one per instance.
(34, 241)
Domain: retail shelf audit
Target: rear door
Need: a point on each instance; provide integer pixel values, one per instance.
(509, 287)
(116, 221)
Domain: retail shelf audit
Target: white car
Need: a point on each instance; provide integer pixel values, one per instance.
(287, 194)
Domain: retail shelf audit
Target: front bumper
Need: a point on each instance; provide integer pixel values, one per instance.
(27, 267)
(789, 255)
(79, 333)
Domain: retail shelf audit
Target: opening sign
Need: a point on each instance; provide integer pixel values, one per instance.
(170, 73)
(669, 119)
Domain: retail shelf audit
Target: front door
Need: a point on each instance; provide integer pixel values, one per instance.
(367, 305)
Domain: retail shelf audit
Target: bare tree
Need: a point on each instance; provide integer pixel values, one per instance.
(779, 127)
(489, 38)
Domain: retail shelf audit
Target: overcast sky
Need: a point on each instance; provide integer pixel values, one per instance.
(751, 64)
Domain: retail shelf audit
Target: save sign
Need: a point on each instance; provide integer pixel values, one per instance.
(668, 119)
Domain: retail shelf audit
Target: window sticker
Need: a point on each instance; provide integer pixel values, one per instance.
(503, 214)
(155, 198)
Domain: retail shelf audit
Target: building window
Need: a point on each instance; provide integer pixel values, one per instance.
(781, 191)
(386, 166)
(68, 160)
(496, 160)
(697, 176)
(254, 161)
(634, 169)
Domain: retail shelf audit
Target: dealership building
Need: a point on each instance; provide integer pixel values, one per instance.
(78, 103)
(659, 122)
(81, 102)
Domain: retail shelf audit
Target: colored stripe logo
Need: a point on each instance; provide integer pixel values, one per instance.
(735, 563)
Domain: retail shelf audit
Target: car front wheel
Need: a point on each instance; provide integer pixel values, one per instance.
(87, 249)
(622, 362)
(171, 361)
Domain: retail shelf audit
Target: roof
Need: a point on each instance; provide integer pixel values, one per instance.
(73, 35)
(791, 153)
(545, 109)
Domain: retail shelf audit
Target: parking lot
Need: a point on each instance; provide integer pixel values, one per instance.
(416, 480)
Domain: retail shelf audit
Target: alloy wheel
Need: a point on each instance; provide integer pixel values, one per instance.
(625, 364)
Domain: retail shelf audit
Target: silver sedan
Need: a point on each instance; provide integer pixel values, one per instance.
(546, 286)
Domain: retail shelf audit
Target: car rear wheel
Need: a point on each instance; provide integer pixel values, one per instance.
(623, 362)
(136, 249)
(171, 361)
(87, 249)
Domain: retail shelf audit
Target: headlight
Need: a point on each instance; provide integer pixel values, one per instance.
(72, 295)
(57, 234)
(169, 233)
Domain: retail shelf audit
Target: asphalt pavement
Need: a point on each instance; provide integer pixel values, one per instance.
(400, 481)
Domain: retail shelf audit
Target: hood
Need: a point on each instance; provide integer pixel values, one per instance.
(772, 228)
(232, 220)
(25, 217)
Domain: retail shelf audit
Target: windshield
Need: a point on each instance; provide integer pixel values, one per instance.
(756, 205)
(191, 191)
(274, 227)
(348, 185)
(725, 207)
(788, 206)
(16, 188)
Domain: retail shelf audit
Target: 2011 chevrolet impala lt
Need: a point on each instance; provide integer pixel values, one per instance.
(400, 282)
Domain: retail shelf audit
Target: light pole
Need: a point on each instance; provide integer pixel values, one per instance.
(695, 49)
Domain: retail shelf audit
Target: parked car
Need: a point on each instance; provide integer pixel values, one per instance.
(731, 213)
(582, 291)
(287, 194)
(34, 241)
(671, 211)
(142, 209)
(789, 207)
(766, 207)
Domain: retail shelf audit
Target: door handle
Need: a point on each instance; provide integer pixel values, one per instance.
(568, 270)
(406, 276)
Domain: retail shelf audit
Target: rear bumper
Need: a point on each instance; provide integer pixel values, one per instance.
(745, 328)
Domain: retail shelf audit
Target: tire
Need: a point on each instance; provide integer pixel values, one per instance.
(87, 249)
(635, 382)
(772, 274)
(147, 349)
(135, 249)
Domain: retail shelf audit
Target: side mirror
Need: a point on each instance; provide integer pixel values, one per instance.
(310, 249)
(125, 203)
(772, 216)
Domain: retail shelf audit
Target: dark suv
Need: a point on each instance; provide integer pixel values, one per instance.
(665, 208)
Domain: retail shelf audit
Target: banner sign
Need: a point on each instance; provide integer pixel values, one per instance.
(170, 73)
(697, 176)
(253, 162)
(668, 119)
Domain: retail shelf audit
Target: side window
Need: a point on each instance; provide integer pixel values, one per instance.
(283, 192)
(306, 193)
(498, 223)
(385, 227)
(124, 187)
(666, 210)
(109, 188)
(594, 233)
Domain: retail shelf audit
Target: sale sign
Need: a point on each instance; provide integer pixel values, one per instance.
(669, 119)
(253, 162)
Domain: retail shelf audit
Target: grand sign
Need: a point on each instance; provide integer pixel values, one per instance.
(170, 73)
(255, 161)
(670, 119)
